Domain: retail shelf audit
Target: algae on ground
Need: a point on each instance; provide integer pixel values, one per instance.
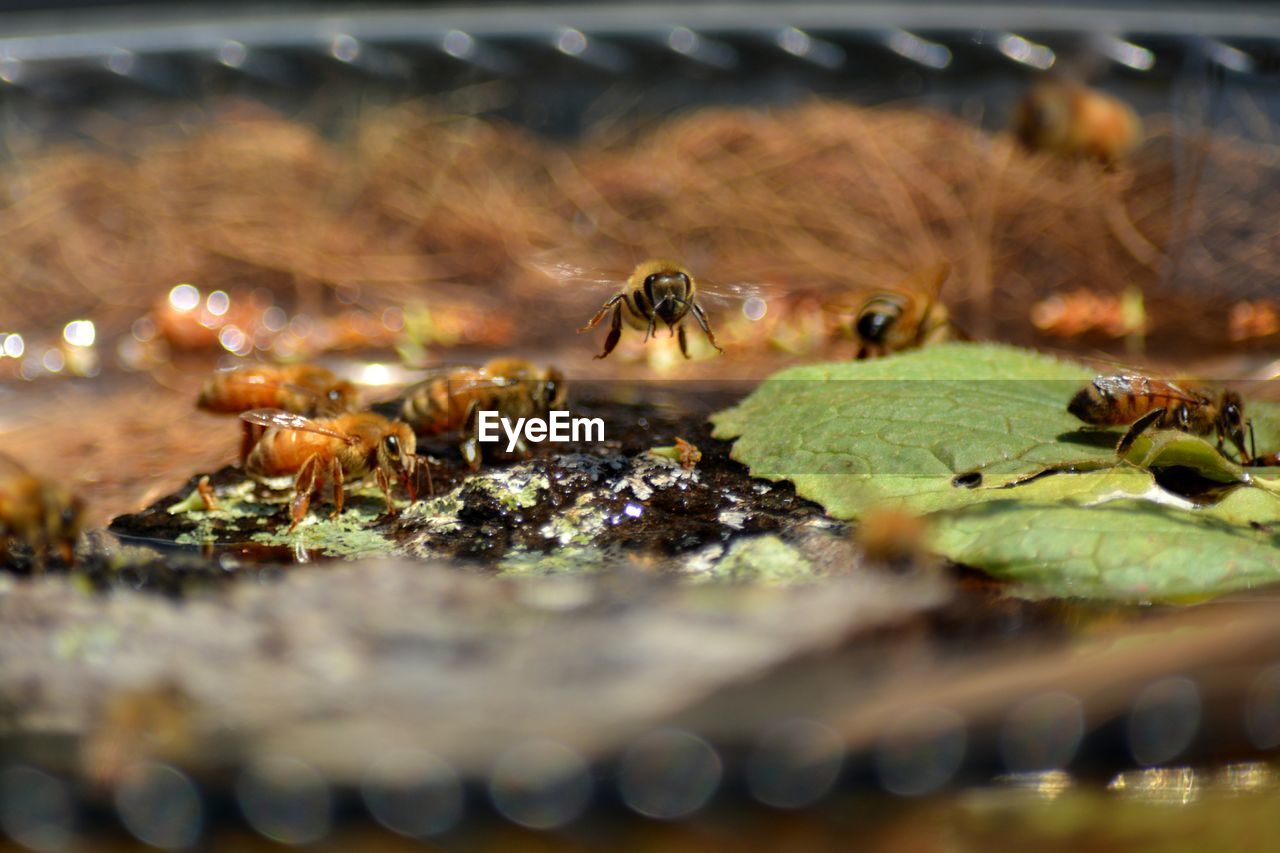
(763, 560)
(353, 534)
(575, 559)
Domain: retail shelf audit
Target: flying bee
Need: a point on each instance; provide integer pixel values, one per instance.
(513, 387)
(302, 389)
(656, 292)
(35, 513)
(906, 317)
(337, 448)
(1076, 122)
(1143, 402)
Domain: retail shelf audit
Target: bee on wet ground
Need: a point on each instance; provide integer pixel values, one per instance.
(332, 450)
(36, 514)
(450, 401)
(302, 389)
(1142, 403)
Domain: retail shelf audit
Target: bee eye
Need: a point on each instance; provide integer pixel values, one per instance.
(873, 325)
(392, 444)
(549, 392)
(68, 515)
(651, 280)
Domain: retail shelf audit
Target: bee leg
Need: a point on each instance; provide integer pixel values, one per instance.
(604, 309)
(423, 462)
(409, 477)
(1246, 456)
(207, 496)
(1136, 429)
(39, 556)
(615, 332)
(339, 491)
(701, 317)
(248, 439)
(385, 485)
(303, 485)
(470, 446)
(684, 343)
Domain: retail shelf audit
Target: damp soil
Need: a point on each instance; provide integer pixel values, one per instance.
(610, 498)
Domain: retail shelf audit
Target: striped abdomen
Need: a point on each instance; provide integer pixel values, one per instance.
(1118, 400)
(441, 405)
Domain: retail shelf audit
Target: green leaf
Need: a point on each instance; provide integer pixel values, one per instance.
(899, 430)
(1123, 549)
(1174, 449)
(978, 437)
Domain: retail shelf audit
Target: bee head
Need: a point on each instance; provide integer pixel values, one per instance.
(396, 450)
(551, 391)
(668, 292)
(876, 319)
(340, 396)
(1231, 419)
(65, 514)
(1042, 117)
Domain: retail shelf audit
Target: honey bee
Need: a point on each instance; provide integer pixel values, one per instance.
(1077, 122)
(893, 538)
(335, 448)
(1143, 402)
(513, 387)
(657, 290)
(302, 389)
(906, 317)
(37, 514)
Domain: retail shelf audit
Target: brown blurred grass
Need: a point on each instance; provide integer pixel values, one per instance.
(822, 196)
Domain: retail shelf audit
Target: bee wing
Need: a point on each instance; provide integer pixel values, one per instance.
(1120, 384)
(569, 274)
(292, 387)
(469, 383)
(928, 280)
(280, 419)
(751, 298)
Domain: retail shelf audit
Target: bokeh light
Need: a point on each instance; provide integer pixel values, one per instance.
(285, 800)
(413, 793)
(36, 808)
(795, 763)
(1164, 720)
(921, 751)
(669, 774)
(540, 784)
(184, 297)
(160, 806)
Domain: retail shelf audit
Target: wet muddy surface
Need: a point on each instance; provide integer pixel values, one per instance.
(565, 505)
